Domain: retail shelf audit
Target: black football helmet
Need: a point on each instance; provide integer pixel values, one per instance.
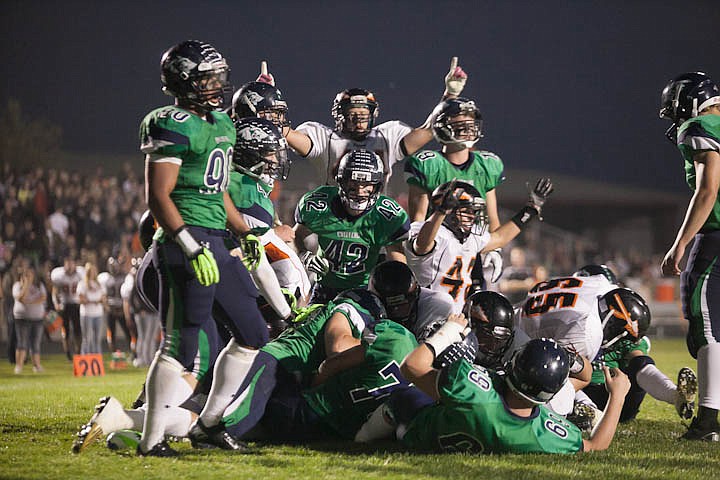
(624, 314)
(368, 300)
(491, 320)
(360, 166)
(196, 74)
(257, 140)
(684, 97)
(260, 99)
(146, 229)
(353, 98)
(398, 289)
(538, 370)
(448, 131)
(595, 269)
(469, 200)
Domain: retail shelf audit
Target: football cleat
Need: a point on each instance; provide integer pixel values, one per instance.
(109, 416)
(213, 437)
(686, 391)
(585, 417)
(161, 449)
(696, 432)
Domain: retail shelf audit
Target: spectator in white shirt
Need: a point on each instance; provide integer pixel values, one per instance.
(92, 300)
(28, 310)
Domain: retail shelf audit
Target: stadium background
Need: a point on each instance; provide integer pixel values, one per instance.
(566, 90)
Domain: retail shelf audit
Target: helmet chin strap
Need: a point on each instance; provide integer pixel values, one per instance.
(617, 338)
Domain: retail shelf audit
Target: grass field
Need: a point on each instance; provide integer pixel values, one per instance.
(39, 414)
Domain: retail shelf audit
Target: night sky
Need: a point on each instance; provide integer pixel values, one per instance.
(565, 87)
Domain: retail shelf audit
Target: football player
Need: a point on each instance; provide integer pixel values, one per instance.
(352, 222)
(65, 280)
(479, 411)
(627, 348)
(260, 158)
(457, 127)
(111, 280)
(692, 102)
(188, 149)
(351, 334)
(442, 250)
(355, 111)
(486, 344)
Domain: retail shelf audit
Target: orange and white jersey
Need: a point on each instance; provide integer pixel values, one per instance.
(328, 147)
(566, 309)
(446, 268)
(287, 266)
(66, 284)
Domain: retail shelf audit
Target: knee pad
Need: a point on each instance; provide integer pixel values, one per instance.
(635, 365)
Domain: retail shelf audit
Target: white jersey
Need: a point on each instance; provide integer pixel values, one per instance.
(112, 283)
(566, 309)
(66, 284)
(328, 147)
(433, 309)
(446, 268)
(287, 266)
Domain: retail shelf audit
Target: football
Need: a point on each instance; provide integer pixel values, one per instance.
(123, 440)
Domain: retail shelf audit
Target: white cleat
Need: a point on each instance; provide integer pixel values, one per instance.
(109, 417)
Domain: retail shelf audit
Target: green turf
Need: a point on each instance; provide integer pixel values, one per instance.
(39, 414)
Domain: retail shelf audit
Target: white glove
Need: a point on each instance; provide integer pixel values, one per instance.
(455, 79)
(264, 76)
(315, 263)
(494, 259)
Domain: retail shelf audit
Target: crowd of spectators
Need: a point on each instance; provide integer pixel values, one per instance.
(51, 214)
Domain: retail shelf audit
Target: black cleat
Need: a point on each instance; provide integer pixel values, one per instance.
(696, 432)
(161, 449)
(213, 437)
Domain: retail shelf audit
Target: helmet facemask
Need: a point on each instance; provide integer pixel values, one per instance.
(261, 151)
(459, 125)
(469, 218)
(353, 107)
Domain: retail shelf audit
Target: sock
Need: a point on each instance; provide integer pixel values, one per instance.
(165, 387)
(137, 416)
(231, 367)
(178, 421)
(657, 384)
(377, 427)
(562, 402)
(269, 287)
(708, 359)
(581, 397)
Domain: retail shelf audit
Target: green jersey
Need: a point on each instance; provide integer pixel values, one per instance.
(252, 198)
(428, 170)
(347, 399)
(618, 357)
(472, 417)
(203, 150)
(350, 244)
(301, 350)
(694, 136)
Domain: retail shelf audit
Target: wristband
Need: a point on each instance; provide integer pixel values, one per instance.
(524, 216)
(449, 333)
(187, 242)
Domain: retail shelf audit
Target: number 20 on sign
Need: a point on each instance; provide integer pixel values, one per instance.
(88, 365)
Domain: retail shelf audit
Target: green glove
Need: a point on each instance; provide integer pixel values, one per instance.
(205, 268)
(253, 251)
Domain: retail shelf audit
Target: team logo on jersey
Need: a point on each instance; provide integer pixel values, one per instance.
(221, 139)
(348, 234)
